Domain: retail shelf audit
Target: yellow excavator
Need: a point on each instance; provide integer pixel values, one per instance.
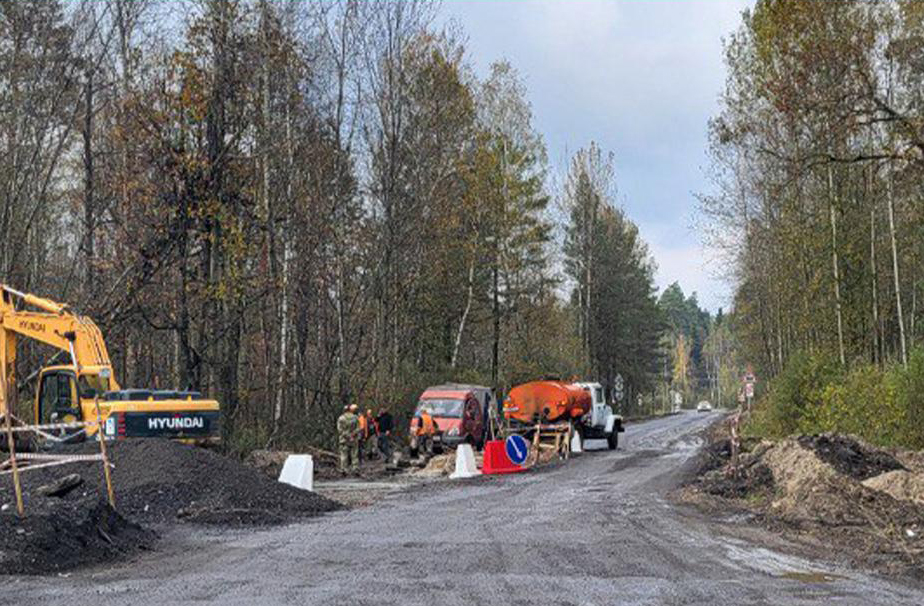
(70, 393)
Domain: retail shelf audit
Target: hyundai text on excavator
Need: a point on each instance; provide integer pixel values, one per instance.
(69, 393)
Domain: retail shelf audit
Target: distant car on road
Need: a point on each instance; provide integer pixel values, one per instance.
(704, 406)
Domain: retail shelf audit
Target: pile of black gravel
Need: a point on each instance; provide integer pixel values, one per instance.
(159, 481)
(850, 457)
(156, 481)
(61, 534)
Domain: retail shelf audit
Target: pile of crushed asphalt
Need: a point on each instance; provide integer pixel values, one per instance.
(56, 536)
(158, 481)
(832, 489)
(155, 482)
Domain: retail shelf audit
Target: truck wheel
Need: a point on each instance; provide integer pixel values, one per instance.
(612, 440)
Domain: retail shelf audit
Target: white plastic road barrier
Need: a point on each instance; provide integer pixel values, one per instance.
(465, 463)
(576, 445)
(298, 471)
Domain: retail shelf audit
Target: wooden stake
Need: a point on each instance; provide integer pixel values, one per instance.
(7, 416)
(734, 444)
(567, 445)
(102, 451)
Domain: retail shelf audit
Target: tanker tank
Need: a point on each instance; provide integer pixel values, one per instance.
(547, 402)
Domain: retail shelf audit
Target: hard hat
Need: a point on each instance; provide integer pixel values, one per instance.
(353, 407)
(368, 411)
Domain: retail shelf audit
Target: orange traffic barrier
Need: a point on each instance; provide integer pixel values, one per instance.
(496, 459)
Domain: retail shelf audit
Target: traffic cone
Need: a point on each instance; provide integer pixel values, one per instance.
(465, 463)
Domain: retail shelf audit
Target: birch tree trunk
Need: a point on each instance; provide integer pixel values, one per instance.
(468, 307)
(877, 348)
(89, 210)
(836, 267)
(286, 254)
(898, 290)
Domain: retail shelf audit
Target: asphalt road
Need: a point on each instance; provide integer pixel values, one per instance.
(597, 530)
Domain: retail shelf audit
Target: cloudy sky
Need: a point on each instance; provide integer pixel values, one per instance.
(639, 77)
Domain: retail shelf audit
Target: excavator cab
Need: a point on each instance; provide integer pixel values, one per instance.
(61, 391)
(57, 400)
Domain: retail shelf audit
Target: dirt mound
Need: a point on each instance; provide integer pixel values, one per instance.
(850, 456)
(813, 485)
(751, 478)
(808, 488)
(715, 455)
(900, 484)
(748, 481)
(911, 460)
(59, 535)
(270, 462)
(800, 477)
(161, 481)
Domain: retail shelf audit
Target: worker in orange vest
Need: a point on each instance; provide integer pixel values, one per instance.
(425, 431)
(363, 434)
(371, 435)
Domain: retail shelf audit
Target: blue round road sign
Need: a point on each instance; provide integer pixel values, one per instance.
(517, 449)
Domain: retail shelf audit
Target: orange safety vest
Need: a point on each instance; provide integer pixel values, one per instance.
(426, 426)
(362, 426)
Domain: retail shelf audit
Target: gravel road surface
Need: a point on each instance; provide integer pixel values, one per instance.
(597, 530)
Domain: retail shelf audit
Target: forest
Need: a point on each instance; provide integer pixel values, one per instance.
(817, 168)
(294, 205)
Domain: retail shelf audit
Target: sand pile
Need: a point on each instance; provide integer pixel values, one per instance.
(899, 484)
(439, 465)
(444, 464)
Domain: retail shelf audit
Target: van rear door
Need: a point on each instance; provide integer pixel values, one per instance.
(471, 419)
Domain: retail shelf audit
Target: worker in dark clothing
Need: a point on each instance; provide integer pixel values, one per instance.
(386, 424)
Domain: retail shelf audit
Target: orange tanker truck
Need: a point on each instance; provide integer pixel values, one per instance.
(552, 401)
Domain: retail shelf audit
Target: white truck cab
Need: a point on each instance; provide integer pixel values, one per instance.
(600, 422)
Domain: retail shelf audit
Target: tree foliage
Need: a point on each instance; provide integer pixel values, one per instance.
(294, 205)
(817, 165)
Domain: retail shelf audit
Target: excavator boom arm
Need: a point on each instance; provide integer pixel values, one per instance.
(55, 325)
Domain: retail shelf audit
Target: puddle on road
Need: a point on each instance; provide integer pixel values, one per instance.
(811, 577)
(775, 564)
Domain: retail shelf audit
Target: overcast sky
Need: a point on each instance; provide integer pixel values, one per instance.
(641, 78)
